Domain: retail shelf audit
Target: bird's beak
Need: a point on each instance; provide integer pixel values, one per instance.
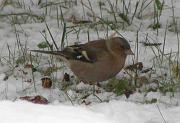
(129, 52)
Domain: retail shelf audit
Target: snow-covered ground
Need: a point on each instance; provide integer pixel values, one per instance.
(112, 112)
(22, 27)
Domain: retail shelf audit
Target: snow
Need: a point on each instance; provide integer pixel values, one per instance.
(113, 109)
(23, 112)
(112, 112)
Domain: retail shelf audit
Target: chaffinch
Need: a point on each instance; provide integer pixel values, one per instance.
(97, 60)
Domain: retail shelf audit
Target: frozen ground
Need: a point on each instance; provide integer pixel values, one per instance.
(25, 32)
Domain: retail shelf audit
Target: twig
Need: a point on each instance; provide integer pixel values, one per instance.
(33, 74)
(161, 114)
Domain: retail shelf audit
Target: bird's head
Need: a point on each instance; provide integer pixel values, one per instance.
(125, 46)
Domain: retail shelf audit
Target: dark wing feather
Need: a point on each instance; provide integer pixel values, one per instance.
(79, 52)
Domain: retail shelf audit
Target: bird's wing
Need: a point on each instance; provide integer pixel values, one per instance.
(80, 53)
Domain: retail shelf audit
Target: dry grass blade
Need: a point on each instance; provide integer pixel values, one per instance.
(52, 37)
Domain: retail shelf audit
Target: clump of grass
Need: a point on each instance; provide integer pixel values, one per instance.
(155, 26)
(124, 18)
(43, 45)
(158, 7)
(176, 71)
(154, 100)
(167, 87)
(119, 86)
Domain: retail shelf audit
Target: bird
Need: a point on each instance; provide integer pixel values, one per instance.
(95, 61)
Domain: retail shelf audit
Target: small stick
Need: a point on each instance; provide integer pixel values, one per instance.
(161, 114)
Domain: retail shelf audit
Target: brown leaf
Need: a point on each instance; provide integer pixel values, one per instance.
(46, 82)
(35, 99)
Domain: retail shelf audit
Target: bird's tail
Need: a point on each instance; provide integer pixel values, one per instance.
(59, 53)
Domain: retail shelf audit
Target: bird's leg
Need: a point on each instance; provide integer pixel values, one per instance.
(94, 89)
(94, 93)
